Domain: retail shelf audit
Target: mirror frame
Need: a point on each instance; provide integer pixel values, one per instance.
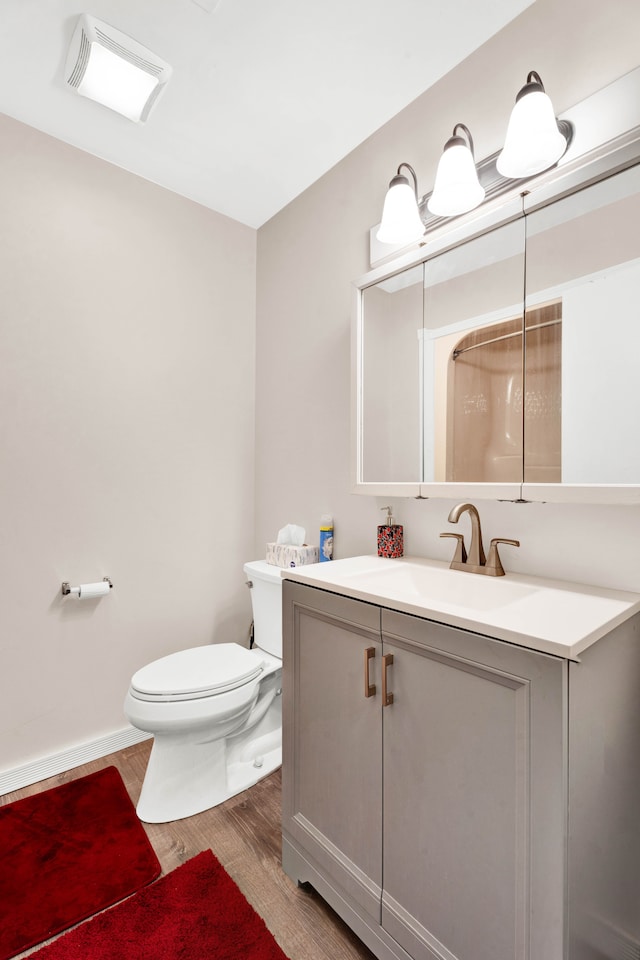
(600, 148)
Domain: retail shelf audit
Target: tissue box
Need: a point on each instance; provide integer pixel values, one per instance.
(286, 555)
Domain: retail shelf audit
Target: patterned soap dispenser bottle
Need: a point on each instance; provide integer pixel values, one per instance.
(390, 537)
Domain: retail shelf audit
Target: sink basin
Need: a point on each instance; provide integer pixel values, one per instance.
(550, 616)
(434, 585)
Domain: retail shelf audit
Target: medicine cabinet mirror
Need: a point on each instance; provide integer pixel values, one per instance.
(508, 365)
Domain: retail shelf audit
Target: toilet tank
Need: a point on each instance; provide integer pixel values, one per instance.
(266, 600)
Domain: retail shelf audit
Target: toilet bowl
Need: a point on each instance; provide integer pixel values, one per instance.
(214, 711)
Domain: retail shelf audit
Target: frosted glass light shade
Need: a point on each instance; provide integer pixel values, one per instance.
(116, 83)
(533, 142)
(401, 221)
(109, 67)
(457, 188)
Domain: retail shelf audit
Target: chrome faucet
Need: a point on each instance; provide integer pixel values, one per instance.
(474, 561)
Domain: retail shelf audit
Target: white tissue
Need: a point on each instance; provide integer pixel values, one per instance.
(291, 534)
(88, 591)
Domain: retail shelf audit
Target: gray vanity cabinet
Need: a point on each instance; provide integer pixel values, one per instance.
(473, 795)
(332, 786)
(487, 811)
(434, 825)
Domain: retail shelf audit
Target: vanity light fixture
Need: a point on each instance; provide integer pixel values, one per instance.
(535, 140)
(401, 221)
(457, 188)
(116, 71)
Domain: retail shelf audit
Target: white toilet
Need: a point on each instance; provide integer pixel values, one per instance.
(215, 713)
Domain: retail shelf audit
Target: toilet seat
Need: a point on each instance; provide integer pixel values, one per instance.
(196, 673)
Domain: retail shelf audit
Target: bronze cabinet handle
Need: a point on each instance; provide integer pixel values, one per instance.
(369, 688)
(387, 698)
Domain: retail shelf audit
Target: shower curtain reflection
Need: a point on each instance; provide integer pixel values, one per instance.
(488, 424)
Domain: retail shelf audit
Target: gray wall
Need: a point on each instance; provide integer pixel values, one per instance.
(127, 354)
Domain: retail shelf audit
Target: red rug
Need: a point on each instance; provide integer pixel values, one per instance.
(67, 853)
(196, 912)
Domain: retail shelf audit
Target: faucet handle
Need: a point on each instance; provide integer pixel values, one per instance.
(493, 560)
(460, 556)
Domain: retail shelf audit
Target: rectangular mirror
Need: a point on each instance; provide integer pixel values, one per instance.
(473, 326)
(583, 264)
(391, 379)
(502, 362)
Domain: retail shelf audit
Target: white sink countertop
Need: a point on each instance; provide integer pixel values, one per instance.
(550, 616)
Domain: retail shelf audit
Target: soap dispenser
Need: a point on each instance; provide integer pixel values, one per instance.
(390, 537)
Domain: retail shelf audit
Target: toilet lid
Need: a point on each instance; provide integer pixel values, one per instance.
(197, 672)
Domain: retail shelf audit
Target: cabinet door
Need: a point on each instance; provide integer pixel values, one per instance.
(474, 796)
(332, 740)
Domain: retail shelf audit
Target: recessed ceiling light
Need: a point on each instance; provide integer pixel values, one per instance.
(115, 70)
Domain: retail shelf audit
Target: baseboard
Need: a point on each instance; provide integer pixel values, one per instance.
(50, 766)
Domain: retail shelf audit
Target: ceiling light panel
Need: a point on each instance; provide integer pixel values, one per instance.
(111, 68)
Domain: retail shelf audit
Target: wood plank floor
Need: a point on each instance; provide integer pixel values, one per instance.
(244, 834)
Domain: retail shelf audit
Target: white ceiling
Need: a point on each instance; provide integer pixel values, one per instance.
(266, 95)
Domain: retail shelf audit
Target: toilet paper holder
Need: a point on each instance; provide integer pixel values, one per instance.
(68, 589)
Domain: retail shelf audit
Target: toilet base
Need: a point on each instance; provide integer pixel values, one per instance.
(184, 778)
